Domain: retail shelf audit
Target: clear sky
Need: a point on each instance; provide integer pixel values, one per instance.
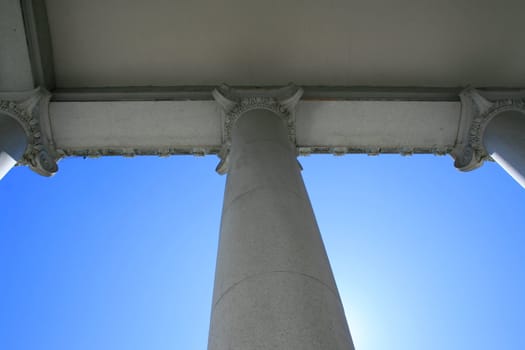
(117, 253)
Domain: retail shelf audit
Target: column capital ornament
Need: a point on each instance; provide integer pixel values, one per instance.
(476, 113)
(30, 110)
(235, 102)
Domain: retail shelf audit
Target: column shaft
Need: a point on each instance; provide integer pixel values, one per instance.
(13, 142)
(274, 287)
(504, 140)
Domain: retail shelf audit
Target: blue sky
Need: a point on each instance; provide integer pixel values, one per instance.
(117, 253)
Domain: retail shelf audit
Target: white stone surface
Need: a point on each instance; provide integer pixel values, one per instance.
(13, 142)
(504, 140)
(135, 125)
(274, 288)
(381, 124)
(6, 163)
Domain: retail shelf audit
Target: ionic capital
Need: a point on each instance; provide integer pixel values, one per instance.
(30, 110)
(235, 102)
(476, 113)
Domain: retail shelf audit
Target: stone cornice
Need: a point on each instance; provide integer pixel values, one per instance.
(30, 110)
(236, 102)
(476, 112)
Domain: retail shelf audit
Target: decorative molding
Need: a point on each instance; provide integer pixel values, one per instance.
(207, 150)
(371, 151)
(476, 113)
(38, 36)
(236, 102)
(133, 152)
(311, 93)
(30, 111)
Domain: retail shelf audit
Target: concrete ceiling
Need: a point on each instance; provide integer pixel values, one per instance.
(446, 43)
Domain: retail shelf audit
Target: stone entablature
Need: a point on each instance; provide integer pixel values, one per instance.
(92, 128)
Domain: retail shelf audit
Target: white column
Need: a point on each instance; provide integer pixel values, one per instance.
(504, 140)
(13, 142)
(274, 287)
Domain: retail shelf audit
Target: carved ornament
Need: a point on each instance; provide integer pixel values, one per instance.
(28, 112)
(476, 113)
(236, 102)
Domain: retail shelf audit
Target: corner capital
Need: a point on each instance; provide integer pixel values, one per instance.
(30, 110)
(476, 113)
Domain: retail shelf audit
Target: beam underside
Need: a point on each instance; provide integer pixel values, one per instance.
(186, 127)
